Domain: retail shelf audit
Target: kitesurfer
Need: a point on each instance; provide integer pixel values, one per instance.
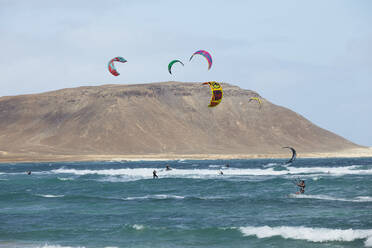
(301, 184)
(154, 174)
(167, 168)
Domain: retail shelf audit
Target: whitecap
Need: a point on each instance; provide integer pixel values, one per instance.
(270, 165)
(65, 178)
(146, 173)
(138, 227)
(309, 234)
(364, 198)
(159, 197)
(116, 179)
(58, 246)
(330, 198)
(50, 196)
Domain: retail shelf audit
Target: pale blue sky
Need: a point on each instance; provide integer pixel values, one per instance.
(314, 57)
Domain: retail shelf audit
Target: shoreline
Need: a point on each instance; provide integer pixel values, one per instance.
(24, 158)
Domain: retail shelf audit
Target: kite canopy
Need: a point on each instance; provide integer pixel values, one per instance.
(294, 154)
(111, 66)
(172, 63)
(206, 55)
(256, 99)
(217, 93)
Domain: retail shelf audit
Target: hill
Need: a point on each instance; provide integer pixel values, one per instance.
(156, 118)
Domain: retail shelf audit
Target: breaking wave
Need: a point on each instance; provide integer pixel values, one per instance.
(145, 173)
(309, 234)
(330, 198)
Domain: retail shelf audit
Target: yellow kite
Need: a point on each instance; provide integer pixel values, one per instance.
(217, 93)
(256, 99)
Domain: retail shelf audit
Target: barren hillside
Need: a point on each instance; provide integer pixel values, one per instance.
(170, 117)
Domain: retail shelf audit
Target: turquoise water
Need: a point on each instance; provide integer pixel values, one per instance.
(253, 204)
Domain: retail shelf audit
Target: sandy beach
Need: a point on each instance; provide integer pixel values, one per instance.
(6, 157)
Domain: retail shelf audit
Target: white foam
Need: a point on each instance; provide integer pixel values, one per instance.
(364, 198)
(270, 165)
(159, 197)
(368, 242)
(345, 170)
(65, 178)
(51, 196)
(13, 173)
(309, 234)
(330, 198)
(146, 173)
(116, 179)
(138, 227)
(59, 246)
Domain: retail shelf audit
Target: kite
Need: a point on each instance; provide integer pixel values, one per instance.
(256, 99)
(294, 154)
(206, 55)
(172, 63)
(216, 93)
(111, 66)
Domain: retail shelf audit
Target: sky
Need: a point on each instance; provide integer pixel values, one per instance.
(313, 57)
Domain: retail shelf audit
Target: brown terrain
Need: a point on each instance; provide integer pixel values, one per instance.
(157, 120)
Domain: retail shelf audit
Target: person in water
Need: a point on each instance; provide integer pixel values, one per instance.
(167, 168)
(221, 173)
(28, 172)
(301, 184)
(227, 165)
(154, 174)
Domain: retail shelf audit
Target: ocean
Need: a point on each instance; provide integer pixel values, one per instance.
(253, 204)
